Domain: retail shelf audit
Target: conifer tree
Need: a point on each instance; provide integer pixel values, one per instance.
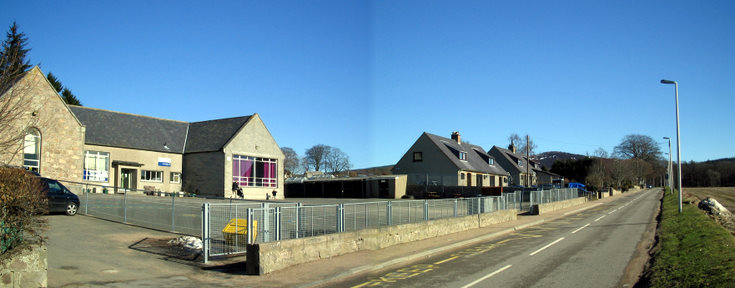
(13, 60)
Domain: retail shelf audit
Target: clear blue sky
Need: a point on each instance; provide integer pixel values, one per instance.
(369, 77)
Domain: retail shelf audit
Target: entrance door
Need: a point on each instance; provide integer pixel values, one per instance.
(479, 180)
(469, 179)
(127, 179)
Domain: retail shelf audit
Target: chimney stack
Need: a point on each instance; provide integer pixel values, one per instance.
(512, 147)
(456, 137)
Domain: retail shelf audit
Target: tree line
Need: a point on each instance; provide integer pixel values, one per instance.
(637, 160)
(716, 173)
(320, 157)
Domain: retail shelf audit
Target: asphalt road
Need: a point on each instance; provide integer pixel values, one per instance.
(586, 249)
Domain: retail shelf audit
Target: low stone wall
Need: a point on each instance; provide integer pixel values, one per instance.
(553, 206)
(24, 266)
(264, 258)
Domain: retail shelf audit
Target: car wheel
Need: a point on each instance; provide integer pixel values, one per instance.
(71, 209)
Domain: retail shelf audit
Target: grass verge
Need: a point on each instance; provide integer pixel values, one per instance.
(693, 250)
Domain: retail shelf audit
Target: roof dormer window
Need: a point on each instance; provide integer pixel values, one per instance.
(520, 163)
(462, 155)
(491, 161)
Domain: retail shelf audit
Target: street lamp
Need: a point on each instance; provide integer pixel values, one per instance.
(668, 171)
(678, 138)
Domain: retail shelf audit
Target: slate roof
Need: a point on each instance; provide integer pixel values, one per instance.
(476, 155)
(212, 135)
(116, 129)
(513, 159)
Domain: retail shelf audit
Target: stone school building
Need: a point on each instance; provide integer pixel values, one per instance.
(128, 152)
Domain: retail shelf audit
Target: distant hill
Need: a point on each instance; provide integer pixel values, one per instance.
(548, 158)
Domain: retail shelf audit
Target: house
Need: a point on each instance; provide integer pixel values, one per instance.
(547, 178)
(130, 152)
(38, 131)
(516, 164)
(449, 162)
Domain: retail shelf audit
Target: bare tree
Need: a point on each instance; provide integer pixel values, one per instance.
(514, 140)
(336, 161)
(291, 162)
(521, 144)
(314, 157)
(637, 146)
(601, 153)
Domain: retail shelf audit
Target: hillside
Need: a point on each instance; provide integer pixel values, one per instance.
(548, 158)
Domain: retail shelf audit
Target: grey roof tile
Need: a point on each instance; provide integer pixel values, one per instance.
(475, 155)
(212, 135)
(116, 129)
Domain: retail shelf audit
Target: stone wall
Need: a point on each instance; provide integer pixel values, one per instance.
(62, 135)
(553, 206)
(24, 266)
(264, 258)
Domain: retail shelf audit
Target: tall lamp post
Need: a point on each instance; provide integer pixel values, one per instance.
(678, 138)
(668, 171)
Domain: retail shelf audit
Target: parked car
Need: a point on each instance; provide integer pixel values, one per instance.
(60, 199)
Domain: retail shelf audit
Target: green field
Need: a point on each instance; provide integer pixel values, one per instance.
(693, 250)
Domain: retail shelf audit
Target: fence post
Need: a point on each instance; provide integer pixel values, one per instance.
(298, 219)
(86, 199)
(250, 231)
(455, 207)
(205, 231)
(389, 212)
(340, 218)
(278, 223)
(266, 222)
(426, 210)
(173, 212)
(125, 207)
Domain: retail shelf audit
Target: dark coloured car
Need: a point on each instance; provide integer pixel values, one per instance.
(60, 199)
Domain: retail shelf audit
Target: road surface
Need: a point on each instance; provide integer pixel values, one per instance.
(591, 248)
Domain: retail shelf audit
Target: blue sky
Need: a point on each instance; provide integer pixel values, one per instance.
(369, 77)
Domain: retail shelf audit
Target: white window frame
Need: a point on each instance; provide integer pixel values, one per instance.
(175, 177)
(32, 143)
(151, 176)
(96, 174)
(268, 181)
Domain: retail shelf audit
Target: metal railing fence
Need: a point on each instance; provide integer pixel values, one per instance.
(269, 222)
(163, 211)
(554, 195)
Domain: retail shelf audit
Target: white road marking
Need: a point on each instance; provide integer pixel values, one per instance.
(486, 276)
(547, 246)
(580, 228)
(598, 219)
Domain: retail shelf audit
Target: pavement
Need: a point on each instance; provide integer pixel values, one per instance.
(90, 252)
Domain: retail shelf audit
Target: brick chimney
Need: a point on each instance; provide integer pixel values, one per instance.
(456, 137)
(512, 147)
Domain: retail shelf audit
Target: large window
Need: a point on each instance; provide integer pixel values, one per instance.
(254, 172)
(32, 150)
(151, 176)
(96, 166)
